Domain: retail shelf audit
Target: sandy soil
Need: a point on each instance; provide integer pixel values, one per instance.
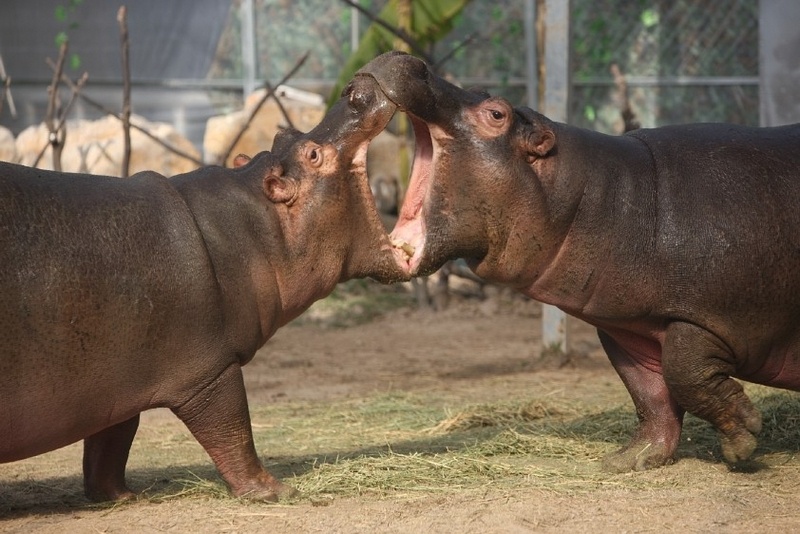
(485, 350)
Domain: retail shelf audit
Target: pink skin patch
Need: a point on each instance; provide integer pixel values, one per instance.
(408, 236)
(643, 347)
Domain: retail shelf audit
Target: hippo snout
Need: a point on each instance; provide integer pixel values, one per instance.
(394, 69)
(410, 84)
(361, 112)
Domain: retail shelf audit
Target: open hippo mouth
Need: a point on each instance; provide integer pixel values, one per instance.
(408, 237)
(410, 234)
(427, 232)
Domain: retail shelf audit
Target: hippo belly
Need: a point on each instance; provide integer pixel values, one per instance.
(779, 368)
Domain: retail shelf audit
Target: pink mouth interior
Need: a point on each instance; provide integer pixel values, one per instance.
(409, 232)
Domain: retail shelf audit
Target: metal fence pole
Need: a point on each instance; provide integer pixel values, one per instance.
(355, 31)
(531, 55)
(556, 107)
(778, 67)
(248, 48)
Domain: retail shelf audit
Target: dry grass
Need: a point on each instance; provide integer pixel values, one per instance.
(392, 444)
(412, 444)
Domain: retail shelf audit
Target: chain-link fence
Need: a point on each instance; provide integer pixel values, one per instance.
(684, 61)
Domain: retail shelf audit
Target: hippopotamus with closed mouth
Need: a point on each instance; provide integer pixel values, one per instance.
(117, 296)
(681, 244)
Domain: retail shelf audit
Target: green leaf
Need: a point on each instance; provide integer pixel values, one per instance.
(649, 18)
(61, 38)
(431, 20)
(60, 13)
(74, 61)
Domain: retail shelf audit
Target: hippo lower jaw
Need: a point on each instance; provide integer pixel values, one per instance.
(408, 237)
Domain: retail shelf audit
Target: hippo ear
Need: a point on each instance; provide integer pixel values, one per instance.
(542, 142)
(241, 160)
(280, 189)
(540, 138)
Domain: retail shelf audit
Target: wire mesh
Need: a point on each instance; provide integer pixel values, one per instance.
(684, 60)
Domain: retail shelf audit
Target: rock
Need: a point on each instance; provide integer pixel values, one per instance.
(96, 147)
(304, 109)
(8, 148)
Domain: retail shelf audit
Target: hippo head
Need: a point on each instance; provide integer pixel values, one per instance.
(318, 183)
(474, 156)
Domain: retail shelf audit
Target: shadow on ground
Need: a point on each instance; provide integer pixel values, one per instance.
(64, 495)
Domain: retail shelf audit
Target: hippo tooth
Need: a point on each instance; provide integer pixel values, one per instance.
(405, 247)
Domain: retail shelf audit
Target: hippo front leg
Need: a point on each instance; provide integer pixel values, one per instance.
(698, 369)
(105, 455)
(219, 419)
(660, 417)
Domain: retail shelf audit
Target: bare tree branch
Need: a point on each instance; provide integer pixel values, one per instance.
(412, 43)
(5, 93)
(122, 20)
(628, 116)
(463, 44)
(268, 87)
(97, 105)
(56, 136)
(124, 117)
(270, 92)
(63, 116)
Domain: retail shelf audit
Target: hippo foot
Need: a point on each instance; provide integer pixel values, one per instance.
(273, 492)
(740, 442)
(739, 447)
(637, 456)
(96, 493)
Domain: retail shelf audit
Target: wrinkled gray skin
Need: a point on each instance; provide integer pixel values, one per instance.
(681, 244)
(117, 296)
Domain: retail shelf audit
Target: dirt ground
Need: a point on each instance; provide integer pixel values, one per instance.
(483, 350)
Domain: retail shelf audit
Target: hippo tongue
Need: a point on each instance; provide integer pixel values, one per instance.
(409, 232)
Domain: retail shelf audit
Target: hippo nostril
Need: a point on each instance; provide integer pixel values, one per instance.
(360, 99)
(347, 89)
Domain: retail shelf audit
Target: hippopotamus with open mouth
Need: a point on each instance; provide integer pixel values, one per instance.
(681, 244)
(117, 296)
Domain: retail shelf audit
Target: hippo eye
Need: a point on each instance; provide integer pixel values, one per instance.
(497, 115)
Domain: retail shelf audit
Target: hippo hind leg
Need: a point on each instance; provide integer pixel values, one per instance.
(219, 419)
(698, 369)
(105, 455)
(660, 418)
